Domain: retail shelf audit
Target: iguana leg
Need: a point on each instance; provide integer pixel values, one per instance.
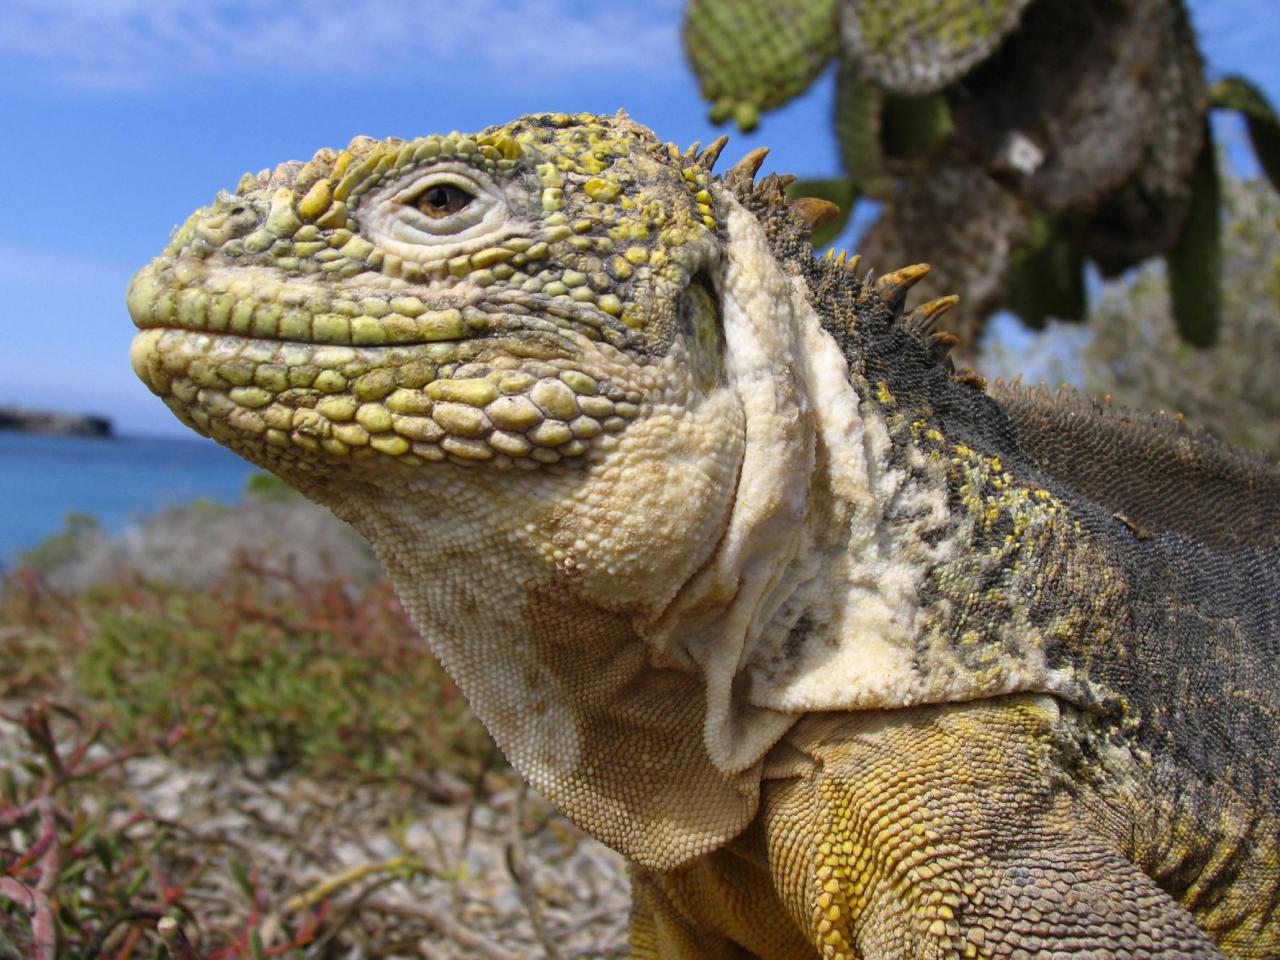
(935, 833)
(660, 930)
(950, 832)
(722, 907)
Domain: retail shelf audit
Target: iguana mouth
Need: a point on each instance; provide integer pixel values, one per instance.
(263, 305)
(274, 379)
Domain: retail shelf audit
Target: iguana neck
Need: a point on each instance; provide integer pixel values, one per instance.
(855, 569)
(560, 675)
(810, 583)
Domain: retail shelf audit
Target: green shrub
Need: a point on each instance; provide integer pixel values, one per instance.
(260, 668)
(329, 677)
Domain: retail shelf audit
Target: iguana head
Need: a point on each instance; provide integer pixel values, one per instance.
(515, 308)
(484, 271)
(580, 402)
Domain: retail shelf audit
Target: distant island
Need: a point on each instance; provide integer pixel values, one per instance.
(47, 421)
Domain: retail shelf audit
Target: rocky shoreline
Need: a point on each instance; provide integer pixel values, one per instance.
(59, 424)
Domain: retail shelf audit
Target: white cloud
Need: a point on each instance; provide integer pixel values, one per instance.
(145, 44)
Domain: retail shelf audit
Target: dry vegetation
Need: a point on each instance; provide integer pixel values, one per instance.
(263, 764)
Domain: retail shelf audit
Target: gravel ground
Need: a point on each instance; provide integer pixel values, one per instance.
(501, 878)
(432, 869)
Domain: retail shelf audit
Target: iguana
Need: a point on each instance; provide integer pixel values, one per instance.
(848, 657)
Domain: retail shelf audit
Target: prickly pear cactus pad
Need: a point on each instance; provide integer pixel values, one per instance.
(918, 46)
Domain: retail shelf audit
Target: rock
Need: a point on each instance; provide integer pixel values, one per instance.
(47, 421)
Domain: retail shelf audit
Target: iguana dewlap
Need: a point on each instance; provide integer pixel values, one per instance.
(850, 662)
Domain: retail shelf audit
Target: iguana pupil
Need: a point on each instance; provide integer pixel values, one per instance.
(443, 201)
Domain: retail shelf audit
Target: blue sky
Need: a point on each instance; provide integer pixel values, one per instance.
(122, 116)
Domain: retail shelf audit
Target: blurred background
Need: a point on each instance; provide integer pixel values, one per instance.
(212, 708)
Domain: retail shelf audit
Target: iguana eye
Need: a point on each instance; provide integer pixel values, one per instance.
(442, 200)
(428, 213)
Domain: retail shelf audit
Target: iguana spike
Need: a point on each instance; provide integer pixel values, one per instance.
(690, 154)
(749, 165)
(362, 143)
(853, 263)
(830, 254)
(970, 377)
(815, 211)
(920, 321)
(894, 286)
(841, 257)
(940, 344)
(707, 160)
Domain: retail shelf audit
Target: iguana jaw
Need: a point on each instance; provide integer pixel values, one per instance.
(264, 362)
(518, 412)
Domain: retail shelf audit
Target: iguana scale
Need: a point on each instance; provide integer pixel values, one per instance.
(848, 657)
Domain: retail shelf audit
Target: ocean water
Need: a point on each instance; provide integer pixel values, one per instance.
(44, 478)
